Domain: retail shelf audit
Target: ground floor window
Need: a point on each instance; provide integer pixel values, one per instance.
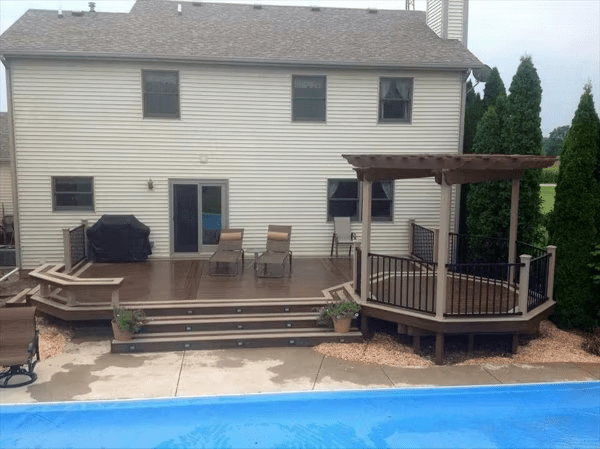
(344, 199)
(72, 193)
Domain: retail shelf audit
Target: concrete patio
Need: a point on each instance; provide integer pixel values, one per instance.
(88, 371)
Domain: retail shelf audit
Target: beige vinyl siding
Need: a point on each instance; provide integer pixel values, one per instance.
(456, 19)
(85, 119)
(6, 200)
(434, 16)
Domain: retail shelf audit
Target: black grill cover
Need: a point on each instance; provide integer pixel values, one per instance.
(118, 238)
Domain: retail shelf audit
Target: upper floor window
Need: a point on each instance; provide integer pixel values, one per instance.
(161, 93)
(308, 98)
(72, 193)
(395, 99)
(344, 199)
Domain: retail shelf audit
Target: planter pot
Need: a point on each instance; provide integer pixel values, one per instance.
(120, 334)
(342, 325)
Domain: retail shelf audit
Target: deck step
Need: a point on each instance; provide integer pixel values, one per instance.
(194, 323)
(223, 307)
(185, 341)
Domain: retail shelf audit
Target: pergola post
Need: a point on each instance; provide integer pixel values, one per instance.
(365, 246)
(442, 255)
(514, 221)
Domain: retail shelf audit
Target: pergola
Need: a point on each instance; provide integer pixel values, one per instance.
(447, 170)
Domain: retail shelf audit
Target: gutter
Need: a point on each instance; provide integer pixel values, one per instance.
(238, 61)
(461, 139)
(13, 162)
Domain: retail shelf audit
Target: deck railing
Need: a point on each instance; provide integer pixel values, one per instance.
(402, 282)
(75, 246)
(422, 243)
(538, 281)
(482, 289)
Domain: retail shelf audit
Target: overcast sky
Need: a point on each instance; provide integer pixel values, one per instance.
(561, 36)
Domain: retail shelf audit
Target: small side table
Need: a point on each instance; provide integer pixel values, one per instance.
(257, 252)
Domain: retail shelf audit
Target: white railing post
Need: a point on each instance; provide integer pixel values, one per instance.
(551, 249)
(524, 283)
(67, 250)
(411, 236)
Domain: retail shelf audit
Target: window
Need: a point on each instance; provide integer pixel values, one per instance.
(343, 199)
(395, 100)
(161, 93)
(308, 98)
(72, 193)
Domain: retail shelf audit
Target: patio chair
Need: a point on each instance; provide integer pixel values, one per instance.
(342, 235)
(278, 251)
(18, 345)
(228, 252)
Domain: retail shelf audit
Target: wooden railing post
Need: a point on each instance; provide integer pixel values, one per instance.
(355, 248)
(551, 249)
(115, 297)
(411, 236)
(67, 250)
(436, 244)
(524, 283)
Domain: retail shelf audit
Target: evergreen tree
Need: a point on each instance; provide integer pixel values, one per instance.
(488, 203)
(523, 135)
(572, 223)
(494, 88)
(473, 113)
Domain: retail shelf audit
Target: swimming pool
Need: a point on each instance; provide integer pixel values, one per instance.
(541, 415)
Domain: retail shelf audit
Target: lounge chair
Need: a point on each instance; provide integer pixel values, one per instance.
(342, 234)
(278, 251)
(229, 252)
(18, 345)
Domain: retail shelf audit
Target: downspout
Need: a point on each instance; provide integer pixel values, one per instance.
(13, 162)
(461, 137)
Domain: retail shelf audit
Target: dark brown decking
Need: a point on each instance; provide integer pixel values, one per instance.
(164, 280)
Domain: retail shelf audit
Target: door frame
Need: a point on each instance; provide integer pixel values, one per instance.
(199, 182)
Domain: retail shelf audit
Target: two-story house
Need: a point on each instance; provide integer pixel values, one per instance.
(195, 116)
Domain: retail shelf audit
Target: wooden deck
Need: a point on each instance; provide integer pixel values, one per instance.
(181, 280)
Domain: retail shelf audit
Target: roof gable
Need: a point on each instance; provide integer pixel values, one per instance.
(218, 32)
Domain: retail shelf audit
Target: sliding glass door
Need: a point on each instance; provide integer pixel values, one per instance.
(199, 213)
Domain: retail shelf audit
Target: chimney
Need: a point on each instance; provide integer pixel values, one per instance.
(92, 6)
(179, 9)
(60, 13)
(449, 18)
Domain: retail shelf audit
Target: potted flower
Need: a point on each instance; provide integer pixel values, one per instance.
(339, 313)
(127, 322)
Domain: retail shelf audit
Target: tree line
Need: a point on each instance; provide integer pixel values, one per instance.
(511, 124)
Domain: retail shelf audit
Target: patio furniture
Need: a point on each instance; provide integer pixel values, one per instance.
(18, 345)
(278, 251)
(228, 252)
(342, 235)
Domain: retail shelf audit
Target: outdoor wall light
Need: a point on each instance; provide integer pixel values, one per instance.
(150, 184)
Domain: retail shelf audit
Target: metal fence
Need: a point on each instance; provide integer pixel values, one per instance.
(75, 246)
(538, 281)
(423, 243)
(482, 289)
(403, 283)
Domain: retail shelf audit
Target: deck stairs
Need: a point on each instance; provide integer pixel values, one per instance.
(220, 324)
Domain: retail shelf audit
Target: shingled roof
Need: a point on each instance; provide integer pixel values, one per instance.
(234, 33)
(4, 154)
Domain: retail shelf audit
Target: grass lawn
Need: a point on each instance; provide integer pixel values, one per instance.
(547, 192)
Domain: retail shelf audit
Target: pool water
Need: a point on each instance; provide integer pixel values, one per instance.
(524, 416)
